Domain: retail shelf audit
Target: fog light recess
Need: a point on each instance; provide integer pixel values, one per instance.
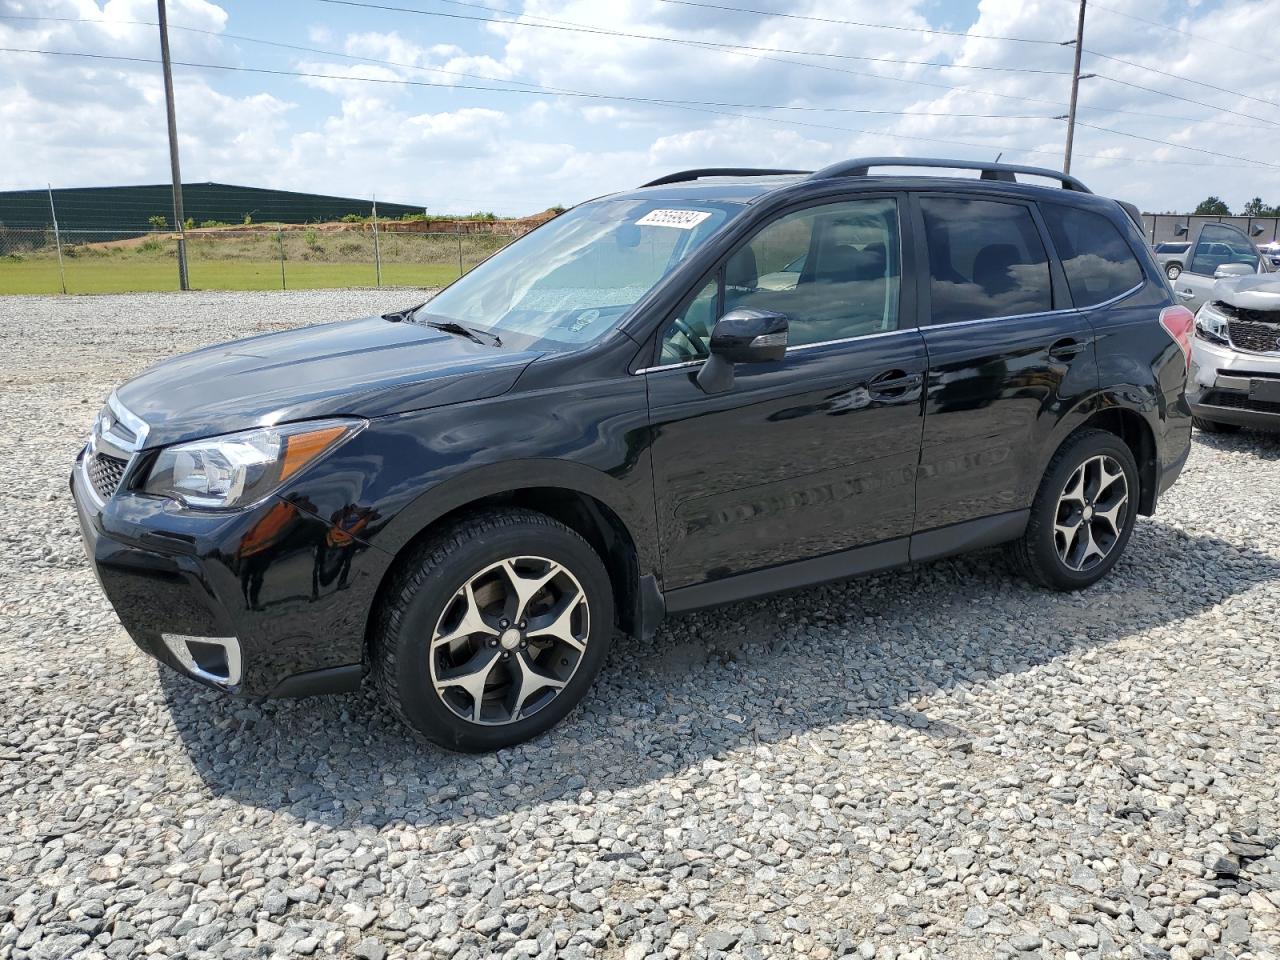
(216, 659)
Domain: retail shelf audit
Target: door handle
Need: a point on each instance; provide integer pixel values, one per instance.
(1186, 294)
(1066, 349)
(893, 384)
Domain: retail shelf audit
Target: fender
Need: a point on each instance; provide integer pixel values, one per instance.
(516, 475)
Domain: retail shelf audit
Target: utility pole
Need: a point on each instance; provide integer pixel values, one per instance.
(1075, 90)
(57, 238)
(179, 220)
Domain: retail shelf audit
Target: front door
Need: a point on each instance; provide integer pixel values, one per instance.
(806, 456)
(1004, 365)
(1218, 244)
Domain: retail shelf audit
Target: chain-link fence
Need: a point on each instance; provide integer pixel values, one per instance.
(42, 260)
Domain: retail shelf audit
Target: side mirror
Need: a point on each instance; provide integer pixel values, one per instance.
(1256, 230)
(1234, 270)
(1180, 230)
(742, 336)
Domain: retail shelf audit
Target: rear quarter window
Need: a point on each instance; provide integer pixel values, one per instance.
(1097, 260)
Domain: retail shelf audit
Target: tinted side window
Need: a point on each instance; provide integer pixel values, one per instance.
(1219, 244)
(834, 270)
(986, 259)
(1096, 259)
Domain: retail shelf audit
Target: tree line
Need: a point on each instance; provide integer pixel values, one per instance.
(1215, 207)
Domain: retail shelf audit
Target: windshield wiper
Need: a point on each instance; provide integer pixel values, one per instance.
(454, 327)
(398, 316)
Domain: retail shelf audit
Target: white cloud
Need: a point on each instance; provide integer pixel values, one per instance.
(87, 122)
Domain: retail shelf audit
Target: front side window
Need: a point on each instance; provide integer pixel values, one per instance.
(571, 280)
(1096, 259)
(1220, 244)
(986, 259)
(833, 270)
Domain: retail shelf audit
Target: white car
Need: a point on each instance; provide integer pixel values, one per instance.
(1234, 380)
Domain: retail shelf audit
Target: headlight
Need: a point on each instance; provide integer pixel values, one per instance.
(241, 468)
(1211, 324)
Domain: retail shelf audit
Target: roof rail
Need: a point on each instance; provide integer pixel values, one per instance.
(861, 166)
(684, 176)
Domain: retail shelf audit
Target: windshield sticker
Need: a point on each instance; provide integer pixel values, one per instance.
(680, 219)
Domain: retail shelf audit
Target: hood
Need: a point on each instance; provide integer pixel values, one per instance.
(1260, 292)
(369, 368)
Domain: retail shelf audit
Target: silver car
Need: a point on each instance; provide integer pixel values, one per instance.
(1234, 380)
(1216, 250)
(1172, 256)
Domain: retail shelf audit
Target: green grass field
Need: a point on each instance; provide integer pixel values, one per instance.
(312, 260)
(41, 276)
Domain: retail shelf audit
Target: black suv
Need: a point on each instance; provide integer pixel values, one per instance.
(723, 384)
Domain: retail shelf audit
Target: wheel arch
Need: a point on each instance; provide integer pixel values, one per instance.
(608, 521)
(1132, 428)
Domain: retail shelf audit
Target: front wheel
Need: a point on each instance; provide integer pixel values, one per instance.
(493, 630)
(1082, 515)
(1173, 271)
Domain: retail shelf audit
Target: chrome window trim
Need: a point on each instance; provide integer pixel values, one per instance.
(887, 333)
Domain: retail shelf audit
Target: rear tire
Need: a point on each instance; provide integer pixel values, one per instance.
(1173, 271)
(492, 630)
(1082, 515)
(1214, 426)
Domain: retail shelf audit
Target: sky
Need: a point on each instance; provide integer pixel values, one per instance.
(389, 109)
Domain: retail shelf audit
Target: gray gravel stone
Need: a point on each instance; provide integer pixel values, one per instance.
(936, 762)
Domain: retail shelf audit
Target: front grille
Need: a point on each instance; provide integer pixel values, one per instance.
(1239, 401)
(105, 473)
(1256, 330)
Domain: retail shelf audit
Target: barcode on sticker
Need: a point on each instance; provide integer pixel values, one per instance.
(680, 219)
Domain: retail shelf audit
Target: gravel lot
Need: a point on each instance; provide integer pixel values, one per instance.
(938, 762)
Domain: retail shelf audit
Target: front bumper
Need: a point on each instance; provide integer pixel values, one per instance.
(1219, 385)
(273, 587)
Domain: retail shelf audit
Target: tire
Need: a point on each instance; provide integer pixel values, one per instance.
(469, 570)
(1214, 426)
(1038, 554)
(1173, 270)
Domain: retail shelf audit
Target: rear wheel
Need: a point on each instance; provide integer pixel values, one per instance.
(493, 630)
(1214, 426)
(1082, 515)
(1173, 271)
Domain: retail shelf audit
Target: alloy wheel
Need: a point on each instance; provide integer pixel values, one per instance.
(1091, 513)
(509, 640)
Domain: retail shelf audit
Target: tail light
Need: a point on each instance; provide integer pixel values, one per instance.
(1179, 322)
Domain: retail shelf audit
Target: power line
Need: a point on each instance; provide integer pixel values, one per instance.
(1174, 96)
(691, 105)
(1180, 146)
(1185, 33)
(662, 101)
(860, 23)
(568, 91)
(1175, 76)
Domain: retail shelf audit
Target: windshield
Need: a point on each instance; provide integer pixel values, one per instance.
(572, 279)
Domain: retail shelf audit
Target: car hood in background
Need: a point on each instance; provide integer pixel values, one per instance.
(369, 368)
(1261, 292)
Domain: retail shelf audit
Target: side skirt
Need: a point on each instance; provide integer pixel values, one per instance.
(918, 548)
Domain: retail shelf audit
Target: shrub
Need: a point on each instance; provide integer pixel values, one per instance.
(248, 219)
(150, 245)
(158, 222)
(352, 218)
(312, 239)
(213, 223)
(188, 224)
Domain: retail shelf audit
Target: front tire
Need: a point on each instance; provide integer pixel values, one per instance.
(1173, 271)
(1214, 426)
(1082, 515)
(493, 630)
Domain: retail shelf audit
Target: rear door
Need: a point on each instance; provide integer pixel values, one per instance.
(1008, 356)
(1217, 244)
